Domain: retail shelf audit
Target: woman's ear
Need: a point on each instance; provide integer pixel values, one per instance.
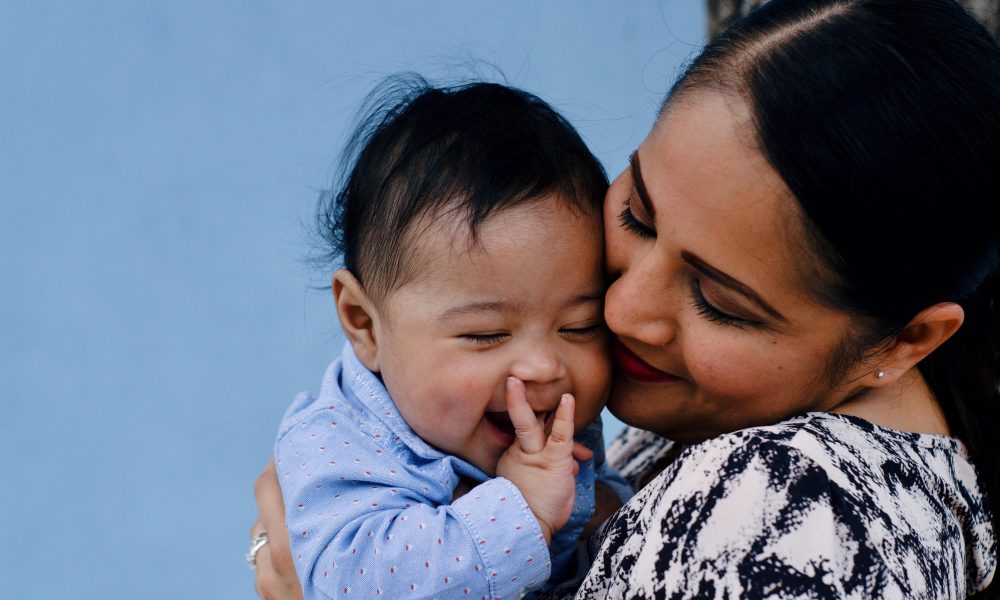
(921, 336)
(358, 318)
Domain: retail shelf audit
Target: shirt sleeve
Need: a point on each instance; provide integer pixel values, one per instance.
(361, 522)
(736, 518)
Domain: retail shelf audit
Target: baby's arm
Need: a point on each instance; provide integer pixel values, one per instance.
(367, 526)
(543, 469)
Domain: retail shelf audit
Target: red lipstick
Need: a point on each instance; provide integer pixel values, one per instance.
(635, 368)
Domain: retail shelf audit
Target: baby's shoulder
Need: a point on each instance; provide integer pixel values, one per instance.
(335, 416)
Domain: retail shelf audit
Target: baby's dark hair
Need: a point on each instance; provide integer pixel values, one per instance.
(422, 152)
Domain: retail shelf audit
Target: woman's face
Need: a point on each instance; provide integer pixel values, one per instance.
(716, 329)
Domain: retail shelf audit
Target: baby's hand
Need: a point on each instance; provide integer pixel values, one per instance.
(544, 470)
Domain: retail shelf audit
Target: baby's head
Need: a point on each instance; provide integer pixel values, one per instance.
(469, 224)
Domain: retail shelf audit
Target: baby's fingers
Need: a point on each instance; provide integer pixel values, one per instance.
(528, 430)
(560, 443)
(581, 452)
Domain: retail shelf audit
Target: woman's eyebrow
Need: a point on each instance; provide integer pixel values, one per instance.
(731, 283)
(639, 184)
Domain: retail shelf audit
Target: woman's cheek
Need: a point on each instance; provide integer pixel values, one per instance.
(725, 368)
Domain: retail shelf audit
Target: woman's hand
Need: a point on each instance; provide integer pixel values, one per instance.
(275, 577)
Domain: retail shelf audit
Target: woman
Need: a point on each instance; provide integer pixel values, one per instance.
(804, 255)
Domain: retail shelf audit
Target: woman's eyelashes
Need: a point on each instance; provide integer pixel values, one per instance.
(629, 221)
(710, 312)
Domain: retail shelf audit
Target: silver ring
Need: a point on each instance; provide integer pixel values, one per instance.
(255, 545)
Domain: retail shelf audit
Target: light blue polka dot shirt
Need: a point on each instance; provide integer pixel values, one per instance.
(370, 512)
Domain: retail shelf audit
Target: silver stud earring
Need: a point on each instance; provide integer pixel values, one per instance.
(880, 375)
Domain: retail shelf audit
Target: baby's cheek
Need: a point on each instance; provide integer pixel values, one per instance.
(466, 399)
(452, 404)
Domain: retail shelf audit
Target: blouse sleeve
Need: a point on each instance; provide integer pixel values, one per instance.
(736, 518)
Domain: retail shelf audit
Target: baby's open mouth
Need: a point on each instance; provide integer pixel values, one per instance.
(501, 420)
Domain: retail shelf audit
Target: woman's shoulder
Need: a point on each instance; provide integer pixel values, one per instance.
(830, 441)
(857, 457)
(825, 500)
(882, 482)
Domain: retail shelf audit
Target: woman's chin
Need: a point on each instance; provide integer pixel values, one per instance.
(634, 407)
(667, 415)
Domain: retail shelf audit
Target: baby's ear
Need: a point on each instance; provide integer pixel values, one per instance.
(357, 316)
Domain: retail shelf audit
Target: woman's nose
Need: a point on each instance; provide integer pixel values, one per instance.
(639, 306)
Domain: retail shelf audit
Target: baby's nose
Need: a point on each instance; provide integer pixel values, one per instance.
(540, 365)
(544, 398)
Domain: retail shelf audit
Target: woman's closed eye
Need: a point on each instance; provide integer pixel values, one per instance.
(631, 222)
(710, 312)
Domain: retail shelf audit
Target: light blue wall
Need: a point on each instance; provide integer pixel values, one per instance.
(158, 162)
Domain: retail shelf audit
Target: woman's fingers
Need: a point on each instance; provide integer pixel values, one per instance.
(270, 503)
(265, 578)
(270, 584)
(528, 430)
(256, 528)
(560, 443)
(275, 572)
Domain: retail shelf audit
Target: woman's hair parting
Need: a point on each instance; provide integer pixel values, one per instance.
(422, 152)
(883, 118)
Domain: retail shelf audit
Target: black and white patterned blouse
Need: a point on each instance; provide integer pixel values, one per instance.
(818, 506)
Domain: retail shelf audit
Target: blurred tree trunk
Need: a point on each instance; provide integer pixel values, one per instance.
(723, 12)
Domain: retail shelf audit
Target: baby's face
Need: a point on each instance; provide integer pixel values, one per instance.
(526, 301)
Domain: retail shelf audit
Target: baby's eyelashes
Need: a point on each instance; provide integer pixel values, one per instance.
(485, 339)
(577, 332)
(585, 332)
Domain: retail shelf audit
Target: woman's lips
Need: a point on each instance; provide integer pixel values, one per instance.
(638, 369)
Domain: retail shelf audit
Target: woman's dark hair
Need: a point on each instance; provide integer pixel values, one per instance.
(883, 118)
(422, 152)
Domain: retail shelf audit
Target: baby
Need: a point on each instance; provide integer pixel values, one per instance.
(438, 459)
